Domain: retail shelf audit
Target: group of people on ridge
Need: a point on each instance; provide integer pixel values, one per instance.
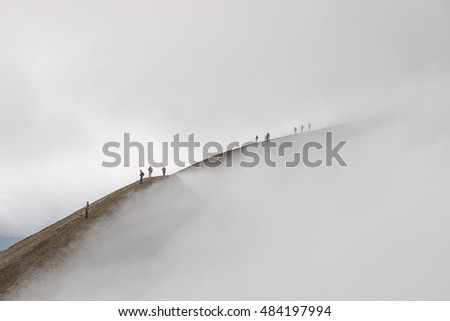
(301, 128)
(267, 136)
(141, 175)
(150, 171)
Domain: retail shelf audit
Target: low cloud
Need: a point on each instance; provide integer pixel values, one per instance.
(375, 230)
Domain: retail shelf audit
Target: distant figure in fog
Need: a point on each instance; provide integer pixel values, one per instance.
(86, 210)
(267, 137)
(164, 171)
(141, 175)
(150, 171)
(295, 130)
(309, 127)
(256, 139)
(301, 129)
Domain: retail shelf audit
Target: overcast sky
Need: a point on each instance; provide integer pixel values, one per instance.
(76, 74)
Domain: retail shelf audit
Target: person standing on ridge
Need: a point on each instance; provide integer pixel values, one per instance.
(164, 171)
(267, 136)
(256, 139)
(301, 129)
(309, 127)
(295, 130)
(141, 175)
(86, 210)
(150, 171)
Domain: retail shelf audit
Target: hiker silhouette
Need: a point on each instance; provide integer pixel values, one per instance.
(150, 171)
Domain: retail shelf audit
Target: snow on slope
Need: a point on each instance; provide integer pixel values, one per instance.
(375, 230)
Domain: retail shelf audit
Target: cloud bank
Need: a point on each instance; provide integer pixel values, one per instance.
(76, 75)
(375, 230)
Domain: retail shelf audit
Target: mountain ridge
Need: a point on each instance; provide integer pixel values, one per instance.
(37, 250)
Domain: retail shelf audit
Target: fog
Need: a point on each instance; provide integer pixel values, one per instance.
(374, 230)
(75, 75)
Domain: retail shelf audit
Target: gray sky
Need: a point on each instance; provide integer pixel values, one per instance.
(76, 74)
